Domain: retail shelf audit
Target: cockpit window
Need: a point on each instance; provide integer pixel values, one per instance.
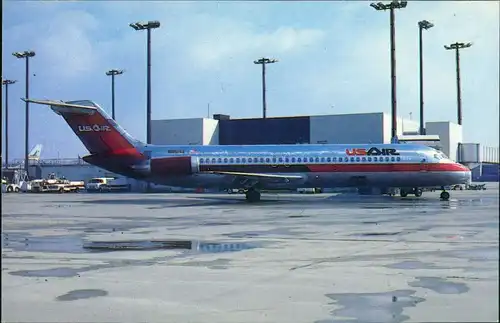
(440, 155)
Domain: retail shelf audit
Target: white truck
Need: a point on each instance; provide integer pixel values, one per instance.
(107, 184)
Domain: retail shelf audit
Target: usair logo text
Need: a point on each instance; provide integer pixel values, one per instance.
(95, 128)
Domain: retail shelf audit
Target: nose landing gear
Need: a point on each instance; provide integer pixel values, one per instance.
(445, 196)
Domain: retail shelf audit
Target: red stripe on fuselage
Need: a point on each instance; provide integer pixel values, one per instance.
(382, 167)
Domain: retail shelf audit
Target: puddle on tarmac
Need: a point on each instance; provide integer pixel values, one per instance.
(477, 254)
(75, 244)
(278, 231)
(82, 294)
(440, 285)
(60, 272)
(208, 224)
(375, 234)
(56, 244)
(373, 307)
(412, 264)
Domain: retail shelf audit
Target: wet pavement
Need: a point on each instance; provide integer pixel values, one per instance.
(215, 258)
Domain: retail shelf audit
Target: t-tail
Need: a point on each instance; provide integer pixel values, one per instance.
(35, 152)
(110, 146)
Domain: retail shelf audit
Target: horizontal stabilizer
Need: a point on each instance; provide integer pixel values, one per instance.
(63, 107)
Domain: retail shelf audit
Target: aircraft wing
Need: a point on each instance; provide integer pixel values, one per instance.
(260, 176)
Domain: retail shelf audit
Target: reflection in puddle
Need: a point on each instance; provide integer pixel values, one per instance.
(209, 247)
(440, 285)
(373, 307)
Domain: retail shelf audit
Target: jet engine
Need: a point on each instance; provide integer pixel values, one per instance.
(184, 165)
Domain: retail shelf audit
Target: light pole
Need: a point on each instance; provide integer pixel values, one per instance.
(263, 61)
(112, 73)
(391, 6)
(457, 46)
(26, 55)
(147, 26)
(7, 83)
(423, 24)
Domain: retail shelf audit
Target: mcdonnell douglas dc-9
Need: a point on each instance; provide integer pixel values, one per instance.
(258, 167)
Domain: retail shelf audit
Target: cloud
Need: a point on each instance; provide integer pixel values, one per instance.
(227, 39)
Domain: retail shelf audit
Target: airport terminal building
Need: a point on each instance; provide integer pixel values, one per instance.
(359, 128)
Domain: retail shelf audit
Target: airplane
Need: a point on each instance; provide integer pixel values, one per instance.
(257, 167)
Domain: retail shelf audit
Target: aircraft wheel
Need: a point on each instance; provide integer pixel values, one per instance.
(403, 193)
(16, 190)
(252, 196)
(418, 192)
(445, 196)
(9, 189)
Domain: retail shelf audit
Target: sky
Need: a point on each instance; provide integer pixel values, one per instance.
(334, 57)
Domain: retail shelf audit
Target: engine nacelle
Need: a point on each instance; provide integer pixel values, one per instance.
(183, 165)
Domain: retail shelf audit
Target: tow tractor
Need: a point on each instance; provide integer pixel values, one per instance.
(13, 180)
(52, 184)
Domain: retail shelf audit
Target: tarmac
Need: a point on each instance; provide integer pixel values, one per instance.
(322, 258)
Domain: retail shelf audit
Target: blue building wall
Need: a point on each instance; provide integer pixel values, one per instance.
(290, 130)
(490, 173)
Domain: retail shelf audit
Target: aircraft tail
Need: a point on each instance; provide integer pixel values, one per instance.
(35, 152)
(100, 134)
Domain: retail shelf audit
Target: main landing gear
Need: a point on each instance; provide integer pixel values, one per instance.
(416, 191)
(252, 195)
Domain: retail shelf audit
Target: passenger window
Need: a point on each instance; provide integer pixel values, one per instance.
(293, 159)
(386, 159)
(225, 160)
(346, 159)
(202, 160)
(374, 158)
(286, 160)
(358, 159)
(369, 159)
(280, 160)
(328, 160)
(213, 160)
(393, 159)
(261, 159)
(299, 160)
(317, 159)
(243, 160)
(219, 160)
(398, 158)
(231, 160)
(340, 160)
(352, 159)
(268, 160)
(237, 160)
(311, 160)
(322, 159)
(363, 159)
(274, 159)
